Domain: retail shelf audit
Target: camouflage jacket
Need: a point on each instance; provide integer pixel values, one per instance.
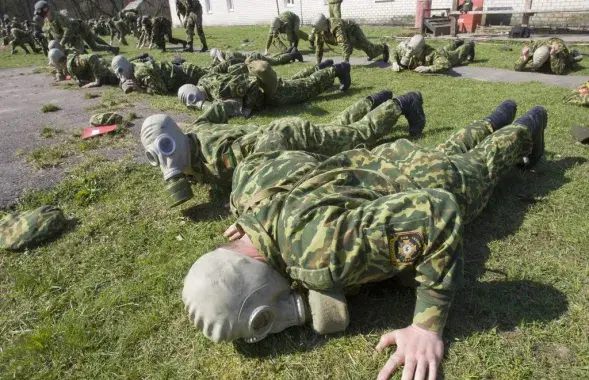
(332, 223)
(560, 62)
(289, 23)
(89, 67)
(336, 35)
(230, 86)
(61, 28)
(436, 59)
(164, 78)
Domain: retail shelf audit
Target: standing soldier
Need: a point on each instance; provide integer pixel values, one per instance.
(162, 31)
(146, 26)
(348, 35)
(191, 10)
(38, 34)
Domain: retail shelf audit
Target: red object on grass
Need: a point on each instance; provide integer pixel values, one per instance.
(97, 131)
(67, 77)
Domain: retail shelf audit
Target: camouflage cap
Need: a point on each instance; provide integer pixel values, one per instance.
(26, 229)
(108, 118)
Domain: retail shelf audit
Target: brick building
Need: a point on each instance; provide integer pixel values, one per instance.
(389, 12)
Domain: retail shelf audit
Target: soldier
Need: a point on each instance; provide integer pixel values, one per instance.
(348, 35)
(88, 70)
(548, 56)
(20, 38)
(261, 87)
(130, 18)
(161, 78)
(219, 57)
(191, 10)
(287, 23)
(416, 55)
(311, 226)
(119, 29)
(211, 149)
(335, 12)
(146, 29)
(162, 31)
(38, 35)
(580, 96)
(71, 32)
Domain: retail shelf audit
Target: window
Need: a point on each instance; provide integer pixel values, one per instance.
(290, 3)
(230, 6)
(208, 6)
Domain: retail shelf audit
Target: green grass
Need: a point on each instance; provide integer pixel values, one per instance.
(49, 108)
(48, 132)
(103, 300)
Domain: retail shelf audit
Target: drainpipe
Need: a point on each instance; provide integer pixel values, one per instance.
(277, 8)
(302, 21)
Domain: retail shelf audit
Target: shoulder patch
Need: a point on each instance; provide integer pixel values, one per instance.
(405, 247)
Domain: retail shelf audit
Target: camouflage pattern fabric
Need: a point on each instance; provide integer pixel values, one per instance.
(191, 10)
(335, 8)
(20, 38)
(559, 63)
(90, 67)
(26, 229)
(580, 96)
(438, 60)
(161, 31)
(108, 118)
(222, 146)
(363, 216)
(349, 36)
(145, 37)
(163, 78)
(275, 60)
(290, 24)
(309, 84)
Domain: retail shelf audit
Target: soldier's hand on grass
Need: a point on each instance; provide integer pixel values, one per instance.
(234, 232)
(422, 69)
(525, 51)
(419, 351)
(554, 48)
(396, 67)
(90, 85)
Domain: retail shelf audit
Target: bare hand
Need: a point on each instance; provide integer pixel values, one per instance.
(396, 67)
(234, 232)
(419, 351)
(90, 85)
(422, 69)
(525, 51)
(554, 48)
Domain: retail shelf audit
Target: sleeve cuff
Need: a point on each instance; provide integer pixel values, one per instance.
(431, 309)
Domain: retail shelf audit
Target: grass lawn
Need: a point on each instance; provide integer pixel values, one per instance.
(103, 300)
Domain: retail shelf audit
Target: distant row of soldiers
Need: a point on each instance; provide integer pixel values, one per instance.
(15, 33)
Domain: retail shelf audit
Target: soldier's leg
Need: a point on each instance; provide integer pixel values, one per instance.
(305, 73)
(303, 36)
(171, 38)
(91, 40)
(201, 32)
(580, 96)
(335, 10)
(362, 43)
(276, 60)
(460, 55)
(354, 112)
(189, 25)
(300, 90)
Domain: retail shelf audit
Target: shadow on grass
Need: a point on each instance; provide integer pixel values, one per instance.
(478, 306)
(206, 211)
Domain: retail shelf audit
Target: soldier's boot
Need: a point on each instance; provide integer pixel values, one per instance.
(503, 115)
(290, 49)
(296, 55)
(470, 56)
(124, 41)
(342, 72)
(325, 64)
(386, 53)
(411, 105)
(27, 52)
(189, 47)
(458, 43)
(535, 120)
(35, 49)
(204, 48)
(115, 50)
(380, 97)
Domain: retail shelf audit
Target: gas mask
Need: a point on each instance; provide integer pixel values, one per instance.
(217, 56)
(168, 147)
(57, 59)
(321, 23)
(53, 44)
(122, 68)
(412, 49)
(541, 55)
(192, 96)
(231, 296)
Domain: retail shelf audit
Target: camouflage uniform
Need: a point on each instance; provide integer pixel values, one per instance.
(191, 10)
(164, 78)
(580, 96)
(119, 29)
(304, 86)
(289, 25)
(145, 37)
(439, 60)
(365, 216)
(162, 30)
(235, 58)
(89, 67)
(559, 63)
(37, 31)
(20, 38)
(26, 229)
(348, 35)
(130, 18)
(74, 32)
(335, 8)
(222, 146)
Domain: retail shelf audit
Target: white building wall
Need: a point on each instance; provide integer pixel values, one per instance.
(519, 5)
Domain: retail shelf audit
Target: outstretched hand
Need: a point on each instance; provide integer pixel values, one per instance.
(422, 69)
(419, 351)
(234, 232)
(525, 51)
(396, 67)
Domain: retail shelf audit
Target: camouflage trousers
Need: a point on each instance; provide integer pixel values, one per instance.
(162, 31)
(457, 56)
(580, 96)
(120, 31)
(20, 38)
(358, 40)
(85, 35)
(335, 8)
(304, 86)
(194, 20)
(468, 165)
(275, 60)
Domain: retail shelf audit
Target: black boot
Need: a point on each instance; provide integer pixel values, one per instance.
(204, 48)
(189, 47)
(470, 56)
(290, 49)
(535, 120)
(325, 64)
(114, 50)
(412, 108)
(380, 97)
(385, 53)
(342, 72)
(502, 115)
(296, 55)
(458, 43)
